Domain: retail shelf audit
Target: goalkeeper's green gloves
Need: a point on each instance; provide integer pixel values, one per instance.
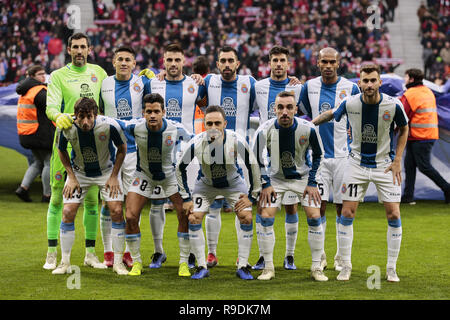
(63, 120)
(148, 73)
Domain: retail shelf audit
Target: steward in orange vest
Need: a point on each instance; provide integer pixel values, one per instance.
(420, 106)
(419, 103)
(35, 130)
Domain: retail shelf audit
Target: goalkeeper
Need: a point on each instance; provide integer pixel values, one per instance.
(67, 84)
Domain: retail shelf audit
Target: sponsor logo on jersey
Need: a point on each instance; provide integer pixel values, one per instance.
(325, 107)
(154, 155)
(85, 91)
(229, 107)
(123, 109)
(173, 109)
(287, 161)
(271, 113)
(89, 155)
(368, 134)
(218, 171)
(386, 116)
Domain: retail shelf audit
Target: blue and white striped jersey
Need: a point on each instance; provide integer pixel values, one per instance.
(318, 97)
(180, 97)
(93, 152)
(220, 162)
(156, 150)
(237, 98)
(266, 92)
(281, 152)
(124, 100)
(372, 128)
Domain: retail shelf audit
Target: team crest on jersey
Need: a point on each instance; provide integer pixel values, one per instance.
(342, 94)
(94, 78)
(344, 188)
(386, 116)
(136, 87)
(229, 107)
(168, 141)
(325, 107)
(368, 134)
(287, 161)
(136, 182)
(302, 140)
(244, 88)
(191, 89)
(102, 136)
(58, 175)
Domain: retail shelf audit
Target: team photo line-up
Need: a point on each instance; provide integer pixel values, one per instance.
(187, 140)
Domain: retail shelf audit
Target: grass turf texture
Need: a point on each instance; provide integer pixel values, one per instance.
(422, 265)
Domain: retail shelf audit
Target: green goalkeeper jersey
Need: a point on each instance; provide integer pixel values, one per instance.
(69, 83)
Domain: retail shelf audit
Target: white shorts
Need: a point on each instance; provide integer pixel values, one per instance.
(282, 187)
(145, 186)
(127, 170)
(289, 198)
(329, 176)
(357, 178)
(204, 195)
(86, 182)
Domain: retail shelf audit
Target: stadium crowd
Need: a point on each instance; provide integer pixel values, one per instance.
(250, 26)
(435, 38)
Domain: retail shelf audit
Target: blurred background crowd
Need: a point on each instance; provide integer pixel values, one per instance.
(36, 32)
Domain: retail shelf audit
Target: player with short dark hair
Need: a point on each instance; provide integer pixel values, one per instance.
(92, 165)
(281, 146)
(218, 151)
(157, 140)
(372, 116)
(66, 85)
(122, 97)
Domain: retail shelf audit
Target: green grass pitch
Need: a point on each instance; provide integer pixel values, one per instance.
(423, 264)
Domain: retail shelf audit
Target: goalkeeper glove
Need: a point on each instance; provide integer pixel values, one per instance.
(148, 73)
(64, 121)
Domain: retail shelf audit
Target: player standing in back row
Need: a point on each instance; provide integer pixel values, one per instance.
(266, 92)
(68, 84)
(319, 95)
(372, 117)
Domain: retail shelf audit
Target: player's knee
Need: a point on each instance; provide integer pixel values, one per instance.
(348, 212)
(68, 214)
(246, 218)
(116, 214)
(195, 218)
(290, 208)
